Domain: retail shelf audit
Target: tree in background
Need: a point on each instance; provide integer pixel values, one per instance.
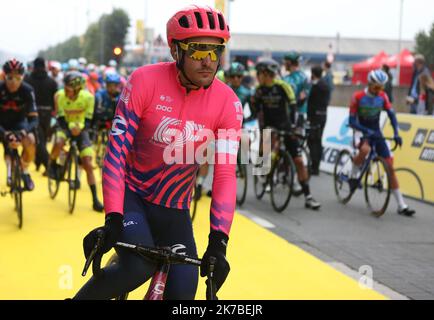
(425, 45)
(98, 42)
(71, 48)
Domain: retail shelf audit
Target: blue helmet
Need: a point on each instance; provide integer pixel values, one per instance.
(113, 78)
(378, 76)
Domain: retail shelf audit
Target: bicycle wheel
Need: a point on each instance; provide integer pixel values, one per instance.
(114, 259)
(53, 183)
(72, 179)
(241, 172)
(259, 185)
(17, 188)
(377, 186)
(281, 181)
(341, 176)
(101, 148)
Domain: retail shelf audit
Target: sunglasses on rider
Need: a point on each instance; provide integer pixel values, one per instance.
(199, 51)
(11, 77)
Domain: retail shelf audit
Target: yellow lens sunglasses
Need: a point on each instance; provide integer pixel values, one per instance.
(200, 50)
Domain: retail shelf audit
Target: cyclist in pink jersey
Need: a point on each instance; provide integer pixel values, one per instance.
(168, 112)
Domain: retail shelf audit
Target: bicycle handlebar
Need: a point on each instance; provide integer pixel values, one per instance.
(158, 254)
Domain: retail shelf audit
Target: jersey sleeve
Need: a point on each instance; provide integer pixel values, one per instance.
(354, 104)
(60, 109)
(387, 104)
(90, 106)
(289, 92)
(124, 127)
(224, 182)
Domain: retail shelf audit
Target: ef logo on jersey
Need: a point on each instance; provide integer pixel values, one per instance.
(119, 126)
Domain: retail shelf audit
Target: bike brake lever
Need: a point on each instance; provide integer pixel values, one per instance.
(210, 284)
(92, 255)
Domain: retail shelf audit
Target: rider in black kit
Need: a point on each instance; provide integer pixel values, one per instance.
(18, 113)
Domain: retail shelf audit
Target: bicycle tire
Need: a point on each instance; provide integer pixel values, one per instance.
(241, 171)
(17, 188)
(259, 185)
(53, 184)
(114, 259)
(340, 180)
(72, 169)
(379, 212)
(193, 205)
(101, 148)
(289, 166)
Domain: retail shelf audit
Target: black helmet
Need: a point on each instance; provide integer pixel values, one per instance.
(269, 65)
(235, 69)
(292, 56)
(74, 79)
(13, 65)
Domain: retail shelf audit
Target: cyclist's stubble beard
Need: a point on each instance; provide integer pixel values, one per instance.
(201, 72)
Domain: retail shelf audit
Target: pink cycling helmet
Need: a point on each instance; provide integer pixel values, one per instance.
(197, 21)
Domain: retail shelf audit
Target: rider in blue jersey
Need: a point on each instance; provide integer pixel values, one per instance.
(365, 109)
(107, 99)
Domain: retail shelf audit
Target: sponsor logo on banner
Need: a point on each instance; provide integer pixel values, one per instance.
(414, 162)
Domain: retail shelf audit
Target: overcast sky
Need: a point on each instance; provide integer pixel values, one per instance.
(30, 25)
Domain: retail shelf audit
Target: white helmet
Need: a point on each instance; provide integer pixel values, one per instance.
(73, 64)
(82, 61)
(378, 76)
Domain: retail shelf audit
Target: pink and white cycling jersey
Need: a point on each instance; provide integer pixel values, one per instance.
(155, 115)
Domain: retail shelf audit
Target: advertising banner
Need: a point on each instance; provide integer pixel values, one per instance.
(414, 162)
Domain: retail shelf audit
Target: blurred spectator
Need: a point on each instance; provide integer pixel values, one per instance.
(328, 75)
(347, 77)
(426, 85)
(317, 104)
(389, 84)
(45, 88)
(414, 91)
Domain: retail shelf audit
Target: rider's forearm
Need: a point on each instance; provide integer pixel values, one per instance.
(393, 120)
(33, 122)
(354, 123)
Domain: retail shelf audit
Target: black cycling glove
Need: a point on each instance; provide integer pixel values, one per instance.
(111, 230)
(216, 248)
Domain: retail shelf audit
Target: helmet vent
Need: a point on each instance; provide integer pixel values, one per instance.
(211, 20)
(183, 22)
(221, 22)
(199, 20)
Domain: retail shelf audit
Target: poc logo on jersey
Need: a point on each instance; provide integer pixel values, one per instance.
(163, 108)
(119, 126)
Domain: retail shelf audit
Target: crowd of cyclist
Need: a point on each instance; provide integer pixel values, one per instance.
(146, 199)
(54, 102)
(76, 99)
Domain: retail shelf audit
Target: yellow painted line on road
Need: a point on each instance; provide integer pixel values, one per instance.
(44, 260)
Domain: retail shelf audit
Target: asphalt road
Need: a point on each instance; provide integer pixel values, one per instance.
(393, 250)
